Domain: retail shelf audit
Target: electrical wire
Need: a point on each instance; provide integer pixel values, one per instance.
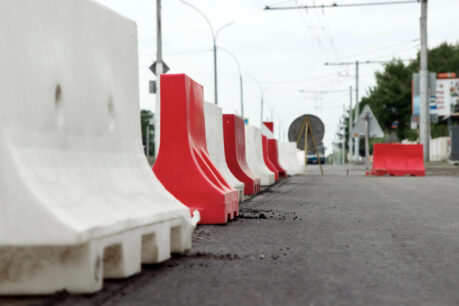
(335, 5)
(294, 81)
(380, 49)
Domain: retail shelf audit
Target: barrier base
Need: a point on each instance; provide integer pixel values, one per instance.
(80, 269)
(217, 214)
(383, 172)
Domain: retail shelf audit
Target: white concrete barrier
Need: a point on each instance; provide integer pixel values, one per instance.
(439, 150)
(288, 158)
(216, 147)
(78, 201)
(254, 155)
(301, 157)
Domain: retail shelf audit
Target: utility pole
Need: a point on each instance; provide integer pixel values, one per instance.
(158, 69)
(357, 111)
(424, 114)
(215, 72)
(262, 92)
(350, 124)
(241, 87)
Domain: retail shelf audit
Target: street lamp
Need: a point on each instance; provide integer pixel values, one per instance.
(273, 109)
(214, 36)
(262, 91)
(241, 85)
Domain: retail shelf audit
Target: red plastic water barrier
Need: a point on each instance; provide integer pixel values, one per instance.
(269, 125)
(268, 162)
(234, 131)
(183, 165)
(273, 152)
(398, 160)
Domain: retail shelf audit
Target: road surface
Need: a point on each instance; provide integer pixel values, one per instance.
(312, 240)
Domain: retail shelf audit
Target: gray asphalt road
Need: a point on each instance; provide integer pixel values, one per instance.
(313, 240)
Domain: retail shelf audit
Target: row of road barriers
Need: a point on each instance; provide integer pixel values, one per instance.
(78, 201)
(209, 160)
(216, 147)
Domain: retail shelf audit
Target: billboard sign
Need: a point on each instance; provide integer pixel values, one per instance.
(447, 97)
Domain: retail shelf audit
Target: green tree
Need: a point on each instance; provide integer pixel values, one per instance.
(146, 120)
(390, 99)
(444, 58)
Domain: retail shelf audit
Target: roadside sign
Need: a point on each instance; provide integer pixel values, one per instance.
(374, 129)
(152, 87)
(153, 68)
(446, 75)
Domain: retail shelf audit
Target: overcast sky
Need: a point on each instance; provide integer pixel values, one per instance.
(284, 50)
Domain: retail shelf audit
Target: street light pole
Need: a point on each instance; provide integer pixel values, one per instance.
(262, 91)
(351, 157)
(241, 87)
(241, 81)
(357, 111)
(214, 37)
(424, 116)
(158, 72)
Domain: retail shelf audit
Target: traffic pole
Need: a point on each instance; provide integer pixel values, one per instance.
(424, 115)
(357, 111)
(351, 157)
(159, 70)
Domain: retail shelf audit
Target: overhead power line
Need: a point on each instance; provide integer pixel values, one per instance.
(366, 62)
(384, 48)
(322, 91)
(339, 5)
(296, 81)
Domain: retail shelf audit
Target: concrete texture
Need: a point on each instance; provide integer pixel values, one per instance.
(310, 240)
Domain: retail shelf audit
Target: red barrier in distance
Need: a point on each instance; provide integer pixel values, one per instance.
(268, 162)
(234, 134)
(398, 160)
(183, 165)
(273, 152)
(269, 125)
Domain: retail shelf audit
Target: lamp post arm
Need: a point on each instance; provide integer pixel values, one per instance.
(203, 15)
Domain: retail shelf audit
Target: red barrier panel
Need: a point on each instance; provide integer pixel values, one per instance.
(234, 131)
(273, 152)
(183, 165)
(269, 125)
(398, 160)
(268, 162)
